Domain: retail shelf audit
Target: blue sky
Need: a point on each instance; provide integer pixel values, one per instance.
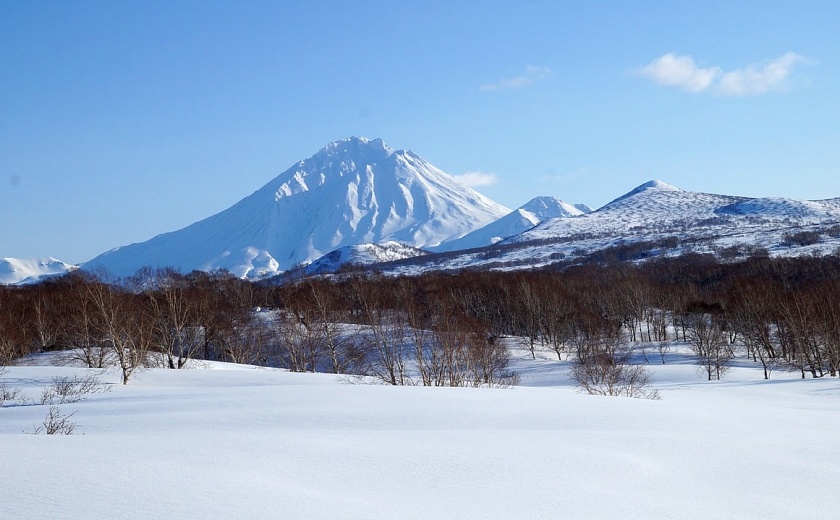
(120, 120)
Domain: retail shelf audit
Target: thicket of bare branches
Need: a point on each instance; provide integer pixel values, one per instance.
(710, 344)
(64, 390)
(440, 329)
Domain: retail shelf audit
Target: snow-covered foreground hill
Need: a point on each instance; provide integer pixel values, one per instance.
(241, 442)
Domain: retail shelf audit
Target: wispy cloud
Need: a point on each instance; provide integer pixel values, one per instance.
(532, 75)
(476, 179)
(757, 79)
(683, 73)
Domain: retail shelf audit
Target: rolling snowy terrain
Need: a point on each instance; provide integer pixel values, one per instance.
(352, 192)
(660, 220)
(240, 442)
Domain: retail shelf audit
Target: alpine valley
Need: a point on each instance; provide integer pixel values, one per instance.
(359, 203)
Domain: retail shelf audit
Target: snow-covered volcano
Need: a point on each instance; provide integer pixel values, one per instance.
(353, 191)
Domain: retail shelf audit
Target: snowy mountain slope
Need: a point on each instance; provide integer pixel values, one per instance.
(351, 192)
(658, 219)
(659, 208)
(18, 271)
(518, 221)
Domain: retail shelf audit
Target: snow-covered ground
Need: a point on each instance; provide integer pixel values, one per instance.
(244, 442)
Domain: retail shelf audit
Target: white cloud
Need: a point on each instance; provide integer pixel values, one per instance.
(476, 179)
(532, 75)
(682, 72)
(757, 79)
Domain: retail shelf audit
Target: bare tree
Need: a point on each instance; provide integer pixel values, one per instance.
(45, 318)
(81, 321)
(530, 306)
(797, 332)
(710, 345)
(339, 342)
(488, 358)
(172, 312)
(123, 325)
(418, 314)
(384, 338)
(558, 325)
(751, 315)
(301, 340)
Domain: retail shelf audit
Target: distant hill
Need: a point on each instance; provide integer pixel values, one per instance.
(18, 271)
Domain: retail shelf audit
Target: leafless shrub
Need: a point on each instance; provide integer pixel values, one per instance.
(603, 368)
(65, 390)
(56, 423)
(8, 393)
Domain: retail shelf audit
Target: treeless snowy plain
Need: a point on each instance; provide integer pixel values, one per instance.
(243, 442)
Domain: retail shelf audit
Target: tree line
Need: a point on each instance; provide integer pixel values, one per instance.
(443, 329)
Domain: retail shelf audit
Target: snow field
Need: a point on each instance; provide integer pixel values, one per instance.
(258, 443)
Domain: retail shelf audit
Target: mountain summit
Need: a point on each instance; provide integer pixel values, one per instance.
(351, 192)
